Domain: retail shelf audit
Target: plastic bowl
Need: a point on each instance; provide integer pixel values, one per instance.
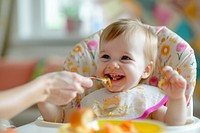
(142, 126)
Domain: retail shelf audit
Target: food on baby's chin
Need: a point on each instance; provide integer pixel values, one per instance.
(80, 119)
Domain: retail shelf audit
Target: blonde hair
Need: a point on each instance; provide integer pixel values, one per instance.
(128, 28)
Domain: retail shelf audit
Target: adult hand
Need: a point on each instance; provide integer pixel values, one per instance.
(62, 87)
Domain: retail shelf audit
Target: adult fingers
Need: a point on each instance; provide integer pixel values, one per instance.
(72, 81)
(67, 96)
(70, 85)
(83, 81)
(62, 97)
(86, 82)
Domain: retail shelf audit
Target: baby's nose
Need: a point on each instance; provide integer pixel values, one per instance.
(113, 65)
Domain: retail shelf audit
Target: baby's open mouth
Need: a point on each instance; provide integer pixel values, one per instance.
(114, 77)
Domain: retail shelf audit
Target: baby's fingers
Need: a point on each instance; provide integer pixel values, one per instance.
(170, 74)
(181, 82)
(167, 71)
(173, 76)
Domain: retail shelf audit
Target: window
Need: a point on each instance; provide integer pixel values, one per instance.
(53, 19)
(63, 19)
(39, 19)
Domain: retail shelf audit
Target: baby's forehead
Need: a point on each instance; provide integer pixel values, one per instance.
(133, 37)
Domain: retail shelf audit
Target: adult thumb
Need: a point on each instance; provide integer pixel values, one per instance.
(86, 82)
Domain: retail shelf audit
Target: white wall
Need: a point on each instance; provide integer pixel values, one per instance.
(40, 49)
(36, 46)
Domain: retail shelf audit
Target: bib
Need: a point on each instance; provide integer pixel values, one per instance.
(136, 103)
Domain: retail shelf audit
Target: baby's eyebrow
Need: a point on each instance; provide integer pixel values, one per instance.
(102, 51)
(129, 54)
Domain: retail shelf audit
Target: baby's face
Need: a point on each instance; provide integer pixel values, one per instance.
(123, 61)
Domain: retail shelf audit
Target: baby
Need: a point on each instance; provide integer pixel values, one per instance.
(128, 51)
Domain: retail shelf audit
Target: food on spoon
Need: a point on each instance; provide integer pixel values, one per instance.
(106, 80)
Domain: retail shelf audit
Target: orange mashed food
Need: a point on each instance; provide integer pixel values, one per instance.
(80, 119)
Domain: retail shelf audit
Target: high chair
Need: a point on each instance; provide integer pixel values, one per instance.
(172, 51)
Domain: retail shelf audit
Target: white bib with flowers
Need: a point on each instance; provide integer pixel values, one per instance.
(136, 103)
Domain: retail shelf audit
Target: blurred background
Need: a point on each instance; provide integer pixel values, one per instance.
(36, 35)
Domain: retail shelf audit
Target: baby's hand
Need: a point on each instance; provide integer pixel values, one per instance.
(174, 84)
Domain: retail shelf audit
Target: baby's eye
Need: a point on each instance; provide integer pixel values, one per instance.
(105, 56)
(125, 57)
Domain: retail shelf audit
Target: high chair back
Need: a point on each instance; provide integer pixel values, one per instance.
(172, 51)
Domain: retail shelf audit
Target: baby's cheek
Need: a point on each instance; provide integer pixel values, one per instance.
(99, 72)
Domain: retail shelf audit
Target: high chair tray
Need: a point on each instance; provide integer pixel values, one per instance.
(40, 126)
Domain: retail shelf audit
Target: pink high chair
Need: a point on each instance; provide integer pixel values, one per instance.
(172, 51)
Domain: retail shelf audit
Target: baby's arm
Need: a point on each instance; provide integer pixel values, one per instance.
(174, 87)
(53, 113)
(50, 112)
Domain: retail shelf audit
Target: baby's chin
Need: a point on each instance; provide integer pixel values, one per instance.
(111, 89)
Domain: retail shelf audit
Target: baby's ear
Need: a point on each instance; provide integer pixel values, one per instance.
(148, 70)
